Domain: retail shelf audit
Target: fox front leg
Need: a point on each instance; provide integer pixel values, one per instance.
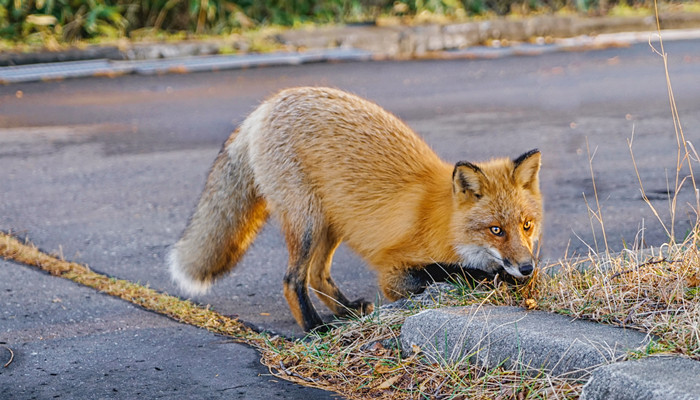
(414, 280)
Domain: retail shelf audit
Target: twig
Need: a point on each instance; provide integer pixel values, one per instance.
(436, 393)
(677, 310)
(294, 374)
(12, 356)
(644, 264)
(632, 310)
(641, 187)
(599, 212)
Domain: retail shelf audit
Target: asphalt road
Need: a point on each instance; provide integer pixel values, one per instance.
(107, 171)
(70, 342)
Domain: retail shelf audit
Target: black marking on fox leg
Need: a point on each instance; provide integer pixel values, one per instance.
(309, 315)
(347, 307)
(306, 241)
(308, 312)
(337, 294)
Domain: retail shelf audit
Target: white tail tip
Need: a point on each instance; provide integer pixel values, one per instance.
(184, 281)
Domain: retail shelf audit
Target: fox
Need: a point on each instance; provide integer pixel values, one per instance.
(332, 167)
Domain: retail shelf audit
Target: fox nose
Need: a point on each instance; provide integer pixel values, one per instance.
(525, 269)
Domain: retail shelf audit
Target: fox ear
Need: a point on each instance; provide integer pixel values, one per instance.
(526, 170)
(467, 179)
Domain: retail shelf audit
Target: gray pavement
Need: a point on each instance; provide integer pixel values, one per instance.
(71, 342)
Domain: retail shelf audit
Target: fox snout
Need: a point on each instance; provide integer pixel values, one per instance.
(520, 270)
(489, 260)
(526, 269)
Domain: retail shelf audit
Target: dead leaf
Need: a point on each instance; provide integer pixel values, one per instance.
(381, 368)
(389, 382)
(530, 304)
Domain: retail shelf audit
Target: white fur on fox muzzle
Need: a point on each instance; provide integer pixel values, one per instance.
(484, 258)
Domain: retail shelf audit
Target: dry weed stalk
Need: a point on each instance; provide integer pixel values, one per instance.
(685, 152)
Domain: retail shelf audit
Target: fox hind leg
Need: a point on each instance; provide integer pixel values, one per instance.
(296, 291)
(323, 284)
(310, 257)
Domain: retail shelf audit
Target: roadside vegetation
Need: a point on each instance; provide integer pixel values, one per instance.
(55, 24)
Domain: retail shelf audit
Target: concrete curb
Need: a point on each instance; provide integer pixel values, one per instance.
(103, 67)
(420, 41)
(90, 53)
(528, 341)
(652, 378)
(535, 341)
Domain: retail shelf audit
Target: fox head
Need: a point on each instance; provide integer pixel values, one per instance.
(497, 222)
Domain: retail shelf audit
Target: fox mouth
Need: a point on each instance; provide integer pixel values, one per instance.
(521, 271)
(419, 277)
(441, 272)
(490, 262)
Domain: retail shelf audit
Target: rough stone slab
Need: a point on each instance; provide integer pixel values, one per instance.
(409, 41)
(651, 378)
(89, 53)
(517, 339)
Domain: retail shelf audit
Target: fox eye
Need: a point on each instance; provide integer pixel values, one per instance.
(496, 230)
(527, 225)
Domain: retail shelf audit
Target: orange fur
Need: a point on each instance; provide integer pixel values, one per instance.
(333, 167)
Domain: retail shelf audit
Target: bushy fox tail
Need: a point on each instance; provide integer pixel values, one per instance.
(227, 218)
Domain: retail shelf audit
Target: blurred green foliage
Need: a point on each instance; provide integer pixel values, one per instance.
(78, 19)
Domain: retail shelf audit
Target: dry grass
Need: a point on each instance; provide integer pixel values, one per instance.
(657, 295)
(362, 359)
(359, 359)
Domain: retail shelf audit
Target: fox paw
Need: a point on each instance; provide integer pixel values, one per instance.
(358, 307)
(320, 329)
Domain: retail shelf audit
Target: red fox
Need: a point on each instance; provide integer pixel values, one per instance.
(332, 167)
